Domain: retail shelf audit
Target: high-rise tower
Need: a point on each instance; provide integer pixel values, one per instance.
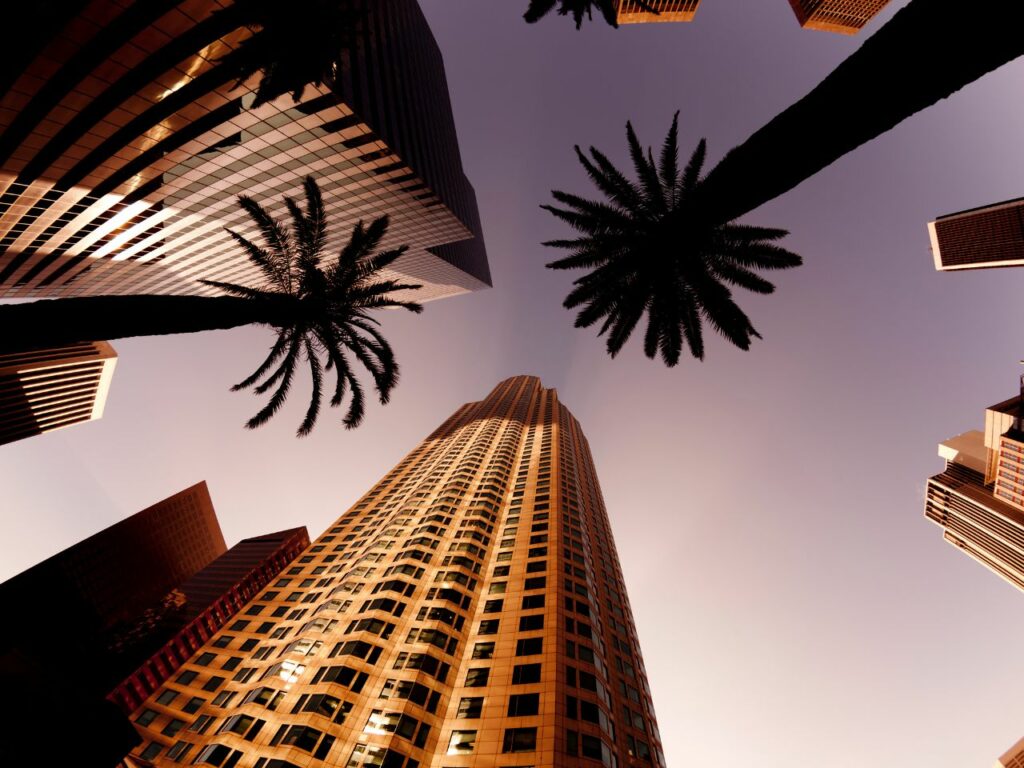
(48, 389)
(1013, 758)
(989, 236)
(844, 16)
(979, 498)
(469, 610)
(631, 12)
(125, 143)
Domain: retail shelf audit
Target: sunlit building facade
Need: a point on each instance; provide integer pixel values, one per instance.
(847, 17)
(979, 499)
(1014, 757)
(632, 12)
(989, 236)
(469, 610)
(48, 389)
(125, 143)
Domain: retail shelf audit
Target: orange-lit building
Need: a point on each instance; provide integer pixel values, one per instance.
(847, 17)
(469, 610)
(1014, 757)
(48, 389)
(632, 12)
(989, 236)
(124, 145)
(979, 499)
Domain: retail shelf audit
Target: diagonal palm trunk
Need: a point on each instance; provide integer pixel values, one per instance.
(927, 52)
(52, 323)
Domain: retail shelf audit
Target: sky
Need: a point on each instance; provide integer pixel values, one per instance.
(793, 605)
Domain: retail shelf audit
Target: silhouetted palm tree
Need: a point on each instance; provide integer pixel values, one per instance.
(580, 8)
(926, 52)
(294, 43)
(318, 312)
(652, 251)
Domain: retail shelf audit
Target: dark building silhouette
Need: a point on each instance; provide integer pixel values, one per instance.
(988, 236)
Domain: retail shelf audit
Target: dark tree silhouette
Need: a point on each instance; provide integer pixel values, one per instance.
(294, 44)
(928, 51)
(318, 312)
(650, 250)
(579, 9)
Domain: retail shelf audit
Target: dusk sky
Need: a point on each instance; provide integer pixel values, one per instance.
(794, 606)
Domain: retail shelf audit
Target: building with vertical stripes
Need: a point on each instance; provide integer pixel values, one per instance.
(989, 236)
(979, 499)
(49, 389)
(847, 17)
(632, 12)
(125, 142)
(468, 610)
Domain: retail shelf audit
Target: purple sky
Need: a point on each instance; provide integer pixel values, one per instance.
(794, 606)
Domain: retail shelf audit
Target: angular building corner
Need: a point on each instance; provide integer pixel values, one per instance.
(124, 145)
(469, 610)
(847, 17)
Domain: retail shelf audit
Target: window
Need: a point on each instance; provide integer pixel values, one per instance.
(493, 606)
(488, 627)
(237, 724)
(193, 705)
(532, 622)
(213, 683)
(470, 708)
(215, 754)
(461, 742)
(519, 740)
(525, 673)
(533, 601)
(497, 588)
(151, 751)
(536, 566)
(239, 626)
(483, 650)
(477, 678)
(146, 717)
(523, 704)
(299, 736)
(501, 570)
(201, 724)
(231, 663)
(223, 641)
(530, 646)
(172, 728)
(537, 582)
(166, 697)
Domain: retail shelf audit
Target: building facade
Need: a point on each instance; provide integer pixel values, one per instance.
(49, 389)
(200, 607)
(125, 143)
(989, 236)
(979, 499)
(847, 17)
(469, 610)
(632, 12)
(1014, 758)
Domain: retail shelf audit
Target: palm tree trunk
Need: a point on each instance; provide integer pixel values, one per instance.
(52, 323)
(927, 52)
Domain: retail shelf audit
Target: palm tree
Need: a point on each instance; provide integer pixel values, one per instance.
(320, 314)
(580, 8)
(294, 44)
(907, 66)
(651, 251)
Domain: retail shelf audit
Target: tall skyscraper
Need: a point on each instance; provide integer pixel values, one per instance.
(979, 498)
(469, 610)
(631, 12)
(1014, 758)
(989, 236)
(844, 16)
(48, 389)
(124, 145)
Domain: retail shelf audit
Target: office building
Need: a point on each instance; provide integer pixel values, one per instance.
(979, 499)
(1014, 758)
(632, 12)
(469, 610)
(989, 236)
(124, 145)
(48, 389)
(844, 16)
(166, 637)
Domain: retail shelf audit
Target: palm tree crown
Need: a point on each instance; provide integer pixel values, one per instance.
(576, 8)
(327, 307)
(293, 44)
(651, 250)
